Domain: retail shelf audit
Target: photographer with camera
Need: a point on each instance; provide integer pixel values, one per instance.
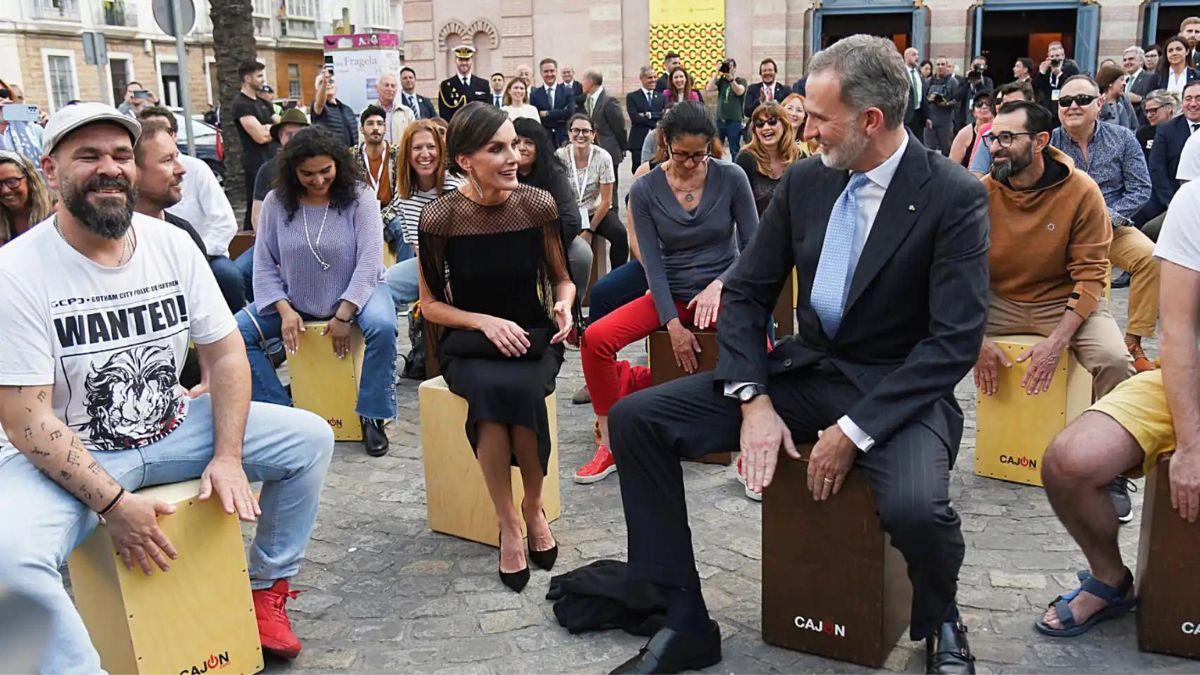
(941, 100)
(731, 100)
(976, 84)
(19, 130)
(1052, 74)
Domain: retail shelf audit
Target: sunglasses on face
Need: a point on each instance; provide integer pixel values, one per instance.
(1083, 100)
(1152, 111)
(12, 183)
(767, 121)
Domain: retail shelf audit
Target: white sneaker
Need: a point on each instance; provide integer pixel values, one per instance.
(750, 494)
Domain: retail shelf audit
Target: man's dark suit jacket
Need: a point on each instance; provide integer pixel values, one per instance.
(1164, 164)
(1042, 89)
(754, 96)
(564, 107)
(576, 88)
(639, 124)
(609, 123)
(917, 305)
(424, 103)
(801, 86)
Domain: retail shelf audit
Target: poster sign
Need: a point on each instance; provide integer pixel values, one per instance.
(358, 61)
(694, 29)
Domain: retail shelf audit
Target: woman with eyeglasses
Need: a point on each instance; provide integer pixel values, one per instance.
(319, 257)
(24, 198)
(1173, 71)
(494, 286)
(1116, 108)
(692, 217)
(680, 87)
(593, 175)
(771, 150)
(967, 138)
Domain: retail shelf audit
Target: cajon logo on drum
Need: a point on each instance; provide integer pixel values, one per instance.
(1023, 462)
(213, 662)
(820, 626)
(335, 422)
(1191, 628)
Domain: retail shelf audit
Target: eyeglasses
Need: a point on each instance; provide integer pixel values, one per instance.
(684, 158)
(1005, 138)
(1083, 100)
(763, 122)
(581, 132)
(12, 183)
(1151, 111)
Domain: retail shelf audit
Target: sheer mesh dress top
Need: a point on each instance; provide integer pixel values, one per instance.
(502, 260)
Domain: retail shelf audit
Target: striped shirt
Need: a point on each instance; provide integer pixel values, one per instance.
(410, 208)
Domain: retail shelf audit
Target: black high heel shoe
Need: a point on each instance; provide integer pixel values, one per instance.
(544, 559)
(514, 580)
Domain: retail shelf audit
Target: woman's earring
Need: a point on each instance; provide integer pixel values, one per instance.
(475, 184)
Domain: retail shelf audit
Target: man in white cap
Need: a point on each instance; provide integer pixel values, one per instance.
(463, 87)
(99, 305)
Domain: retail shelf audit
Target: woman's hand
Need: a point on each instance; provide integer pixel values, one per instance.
(685, 346)
(707, 304)
(564, 321)
(509, 338)
(340, 332)
(291, 326)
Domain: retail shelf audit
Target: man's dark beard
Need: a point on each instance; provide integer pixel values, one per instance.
(1002, 171)
(108, 221)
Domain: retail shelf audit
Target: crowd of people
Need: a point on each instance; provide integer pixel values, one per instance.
(1006, 208)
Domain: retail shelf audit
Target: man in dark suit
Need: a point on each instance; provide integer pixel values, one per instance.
(422, 106)
(914, 114)
(893, 279)
(1138, 80)
(645, 108)
(568, 78)
(462, 88)
(768, 89)
(1169, 140)
(607, 118)
(555, 102)
(670, 62)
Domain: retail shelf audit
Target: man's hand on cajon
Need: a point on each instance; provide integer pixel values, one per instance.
(829, 462)
(133, 526)
(763, 433)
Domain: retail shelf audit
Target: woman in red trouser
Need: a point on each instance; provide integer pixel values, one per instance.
(686, 212)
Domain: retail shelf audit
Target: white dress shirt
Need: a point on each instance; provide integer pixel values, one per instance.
(870, 198)
(1175, 82)
(205, 206)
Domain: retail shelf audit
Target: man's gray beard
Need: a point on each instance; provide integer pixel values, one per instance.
(107, 222)
(845, 155)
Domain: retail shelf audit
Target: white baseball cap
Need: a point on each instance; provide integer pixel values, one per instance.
(70, 118)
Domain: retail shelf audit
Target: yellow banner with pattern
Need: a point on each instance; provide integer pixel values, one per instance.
(694, 29)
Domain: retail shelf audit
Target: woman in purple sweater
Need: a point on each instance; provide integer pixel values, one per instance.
(319, 257)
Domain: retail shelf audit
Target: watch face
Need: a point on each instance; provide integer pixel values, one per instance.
(746, 394)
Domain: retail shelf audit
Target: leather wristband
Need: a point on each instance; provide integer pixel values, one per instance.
(113, 504)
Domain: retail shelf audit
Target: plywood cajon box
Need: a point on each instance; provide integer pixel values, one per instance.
(325, 384)
(661, 357)
(455, 494)
(199, 614)
(1013, 428)
(1168, 613)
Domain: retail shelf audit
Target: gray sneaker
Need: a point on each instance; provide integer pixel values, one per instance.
(1118, 492)
(582, 396)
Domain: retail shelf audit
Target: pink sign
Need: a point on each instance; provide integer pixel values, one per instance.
(362, 41)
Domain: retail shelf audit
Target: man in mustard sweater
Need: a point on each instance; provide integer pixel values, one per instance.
(1048, 259)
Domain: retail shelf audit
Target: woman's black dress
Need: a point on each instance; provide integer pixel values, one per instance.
(503, 261)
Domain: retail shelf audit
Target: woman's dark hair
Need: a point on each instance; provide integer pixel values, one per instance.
(471, 129)
(1164, 66)
(309, 142)
(545, 164)
(924, 63)
(580, 116)
(1028, 63)
(687, 118)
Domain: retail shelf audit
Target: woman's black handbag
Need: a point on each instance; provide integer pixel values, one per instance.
(473, 344)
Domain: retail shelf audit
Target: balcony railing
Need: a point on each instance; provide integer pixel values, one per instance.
(58, 10)
(118, 13)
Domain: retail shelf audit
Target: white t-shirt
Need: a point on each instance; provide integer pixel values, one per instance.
(1179, 241)
(205, 206)
(111, 341)
(1189, 159)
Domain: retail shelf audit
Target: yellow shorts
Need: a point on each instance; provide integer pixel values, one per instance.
(1139, 404)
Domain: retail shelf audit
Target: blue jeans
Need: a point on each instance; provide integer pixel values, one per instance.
(376, 389)
(41, 523)
(401, 280)
(620, 286)
(229, 280)
(245, 264)
(730, 132)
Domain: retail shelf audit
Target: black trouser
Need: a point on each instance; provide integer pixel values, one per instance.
(909, 475)
(610, 228)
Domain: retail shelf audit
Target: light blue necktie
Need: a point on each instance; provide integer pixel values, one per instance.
(829, 284)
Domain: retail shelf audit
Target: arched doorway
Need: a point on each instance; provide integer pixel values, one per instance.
(1005, 30)
(898, 20)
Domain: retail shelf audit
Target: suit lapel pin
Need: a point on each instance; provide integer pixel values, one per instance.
(912, 208)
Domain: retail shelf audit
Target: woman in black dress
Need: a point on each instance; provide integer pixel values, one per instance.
(771, 150)
(494, 283)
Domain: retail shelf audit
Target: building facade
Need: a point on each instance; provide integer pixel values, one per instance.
(614, 35)
(41, 47)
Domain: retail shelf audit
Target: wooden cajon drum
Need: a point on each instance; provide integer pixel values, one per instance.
(832, 583)
(1168, 614)
(199, 613)
(599, 264)
(664, 369)
(1014, 428)
(785, 309)
(455, 494)
(326, 385)
(389, 256)
(240, 243)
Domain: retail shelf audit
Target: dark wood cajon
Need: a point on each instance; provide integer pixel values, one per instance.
(785, 309)
(599, 265)
(1168, 614)
(241, 242)
(832, 583)
(664, 369)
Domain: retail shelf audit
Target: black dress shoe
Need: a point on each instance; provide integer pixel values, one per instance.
(673, 652)
(544, 559)
(514, 580)
(948, 652)
(375, 439)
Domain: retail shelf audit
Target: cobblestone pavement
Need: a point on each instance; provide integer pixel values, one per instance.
(385, 594)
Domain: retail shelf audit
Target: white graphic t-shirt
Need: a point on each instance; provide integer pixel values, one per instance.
(112, 341)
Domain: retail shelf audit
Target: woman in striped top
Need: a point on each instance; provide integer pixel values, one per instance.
(422, 179)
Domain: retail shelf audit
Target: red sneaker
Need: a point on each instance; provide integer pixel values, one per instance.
(598, 469)
(274, 626)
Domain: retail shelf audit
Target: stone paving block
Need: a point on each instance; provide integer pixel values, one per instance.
(1002, 579)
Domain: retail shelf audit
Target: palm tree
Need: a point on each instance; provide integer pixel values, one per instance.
(233, 30)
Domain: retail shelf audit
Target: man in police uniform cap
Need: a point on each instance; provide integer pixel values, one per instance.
(462, 88)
